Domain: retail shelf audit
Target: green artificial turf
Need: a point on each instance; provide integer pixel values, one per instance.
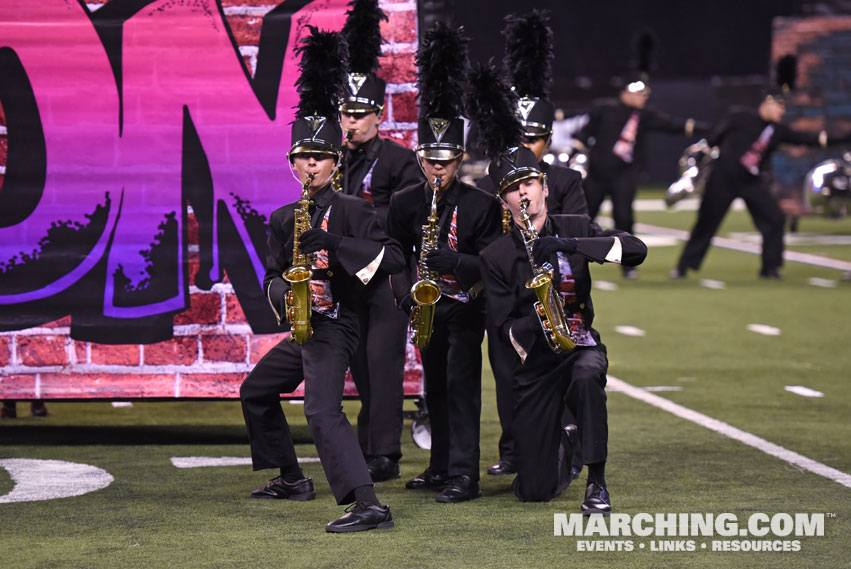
(156, 515)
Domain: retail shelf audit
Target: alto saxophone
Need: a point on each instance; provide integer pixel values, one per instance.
(425, 291)
(548, 307)
(299, 299)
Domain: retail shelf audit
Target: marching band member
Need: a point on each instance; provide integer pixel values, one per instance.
(746, 140)
(615, 133)
(528, 57)
(345, 239)
(553, 372)
(373, 168)
(460, 221)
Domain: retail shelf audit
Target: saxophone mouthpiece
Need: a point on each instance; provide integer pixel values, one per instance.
(350, 134)
(525, 202)
(438, 181)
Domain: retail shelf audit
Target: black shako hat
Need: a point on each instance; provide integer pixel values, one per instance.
(364, 90)
(492, 107)
(785, 78)
(528, 63)
(638, 78)
(441, 74)
(323, 65)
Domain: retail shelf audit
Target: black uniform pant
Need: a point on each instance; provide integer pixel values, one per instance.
(503, 360)
(378, 372)
(452, 364)
(544, 389)
(620, 188)
(322, 362)
(722, 188)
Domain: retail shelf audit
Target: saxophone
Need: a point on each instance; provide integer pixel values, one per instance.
(548, 307)
(425, 291)
(337, 178)
(299, 299)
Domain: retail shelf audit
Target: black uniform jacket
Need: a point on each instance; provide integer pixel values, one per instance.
(364, 249)
(507, 268)
(603, 130)
(737, 132)
(395, 168)
(479, 223)
(565, 189)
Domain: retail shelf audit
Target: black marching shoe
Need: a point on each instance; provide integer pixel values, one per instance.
(428, 479)
(382, 468)
(596, 500)
(677, 273)
(501, 468)
(460, 489)
(629, 273)
(362, 516)
(770, 274)
(278, 488)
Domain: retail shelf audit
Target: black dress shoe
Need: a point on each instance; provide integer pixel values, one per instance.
(596, 500)
(382, 468)
(770, 274)
(278, 488)
(501, 468)
(460, 489)
(629, 273)
(428, 479)
(361, 516)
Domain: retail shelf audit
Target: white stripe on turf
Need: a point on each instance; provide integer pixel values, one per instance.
(630, 331)
(824, 283)
(37, 479)
(732, 432)
(199, 461)
(803, 391)
(713, 284)
(764, 329)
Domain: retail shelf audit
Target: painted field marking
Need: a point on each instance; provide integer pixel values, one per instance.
(201, 461)
(122, 404)
(605, 285)
(654, 388)
(803, 391)
(764, 329)
(732, 432)
(630, 331)
(824, 283)
(37, 479)
(713, 284)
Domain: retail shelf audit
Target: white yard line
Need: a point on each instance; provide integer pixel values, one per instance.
(803, 391)
(201, 461)
(732, 432)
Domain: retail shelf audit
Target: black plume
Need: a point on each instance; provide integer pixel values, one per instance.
(363, 34)
(787, 72)
(492, 106)
(324, 65)
(529, 53)
(645, 46)
(442, 69)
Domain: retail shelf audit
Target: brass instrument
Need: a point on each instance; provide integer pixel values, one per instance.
(337, 178)
(548, 307)
(425, 291)
(695, 165)
(299, 299)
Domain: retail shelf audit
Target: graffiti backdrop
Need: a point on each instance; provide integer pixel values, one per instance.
(142, 145)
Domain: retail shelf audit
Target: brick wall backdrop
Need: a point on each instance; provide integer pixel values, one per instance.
(213, 346)
(822, 99)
